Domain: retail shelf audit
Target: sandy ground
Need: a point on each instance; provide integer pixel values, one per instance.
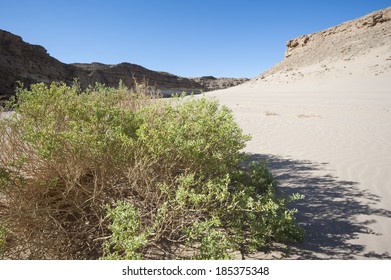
(329, 139)
(326, 133)
(322, 120)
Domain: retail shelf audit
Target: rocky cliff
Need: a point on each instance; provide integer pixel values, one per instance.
(21, 61)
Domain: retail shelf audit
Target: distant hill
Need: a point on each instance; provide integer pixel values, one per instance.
(111, 75)
(21, 61)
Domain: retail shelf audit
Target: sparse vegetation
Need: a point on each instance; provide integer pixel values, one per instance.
(270, 113)
(117, 174)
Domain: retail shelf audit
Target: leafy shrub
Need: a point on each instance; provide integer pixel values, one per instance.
(114, 173)
(126, 238)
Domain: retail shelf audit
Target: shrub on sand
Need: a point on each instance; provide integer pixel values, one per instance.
(117, 174)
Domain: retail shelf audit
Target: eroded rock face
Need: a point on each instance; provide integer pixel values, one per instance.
(20, 61)
(294, 43)
(337, 47)
(345, 31)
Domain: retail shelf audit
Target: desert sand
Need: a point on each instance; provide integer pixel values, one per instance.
(322, 120)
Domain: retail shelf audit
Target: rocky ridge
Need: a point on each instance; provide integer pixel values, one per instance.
(346, 42)
(129, 73)
(27, 63)
(213, 83)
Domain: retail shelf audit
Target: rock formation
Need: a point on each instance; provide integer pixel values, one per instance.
(213, 83)
(128, 73)
(344, 43)
(21, 61)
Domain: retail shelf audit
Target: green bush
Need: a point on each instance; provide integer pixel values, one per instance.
(118, 174)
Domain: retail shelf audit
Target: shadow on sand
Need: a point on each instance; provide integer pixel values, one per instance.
(328, 212)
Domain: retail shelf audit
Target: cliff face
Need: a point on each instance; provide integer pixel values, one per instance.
(27, 63)
(344, 43)
(20, 61)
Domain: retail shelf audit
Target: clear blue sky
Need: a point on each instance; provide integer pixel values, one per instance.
(189, 38)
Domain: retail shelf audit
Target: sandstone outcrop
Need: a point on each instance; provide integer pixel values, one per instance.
(345, 42)
(348, 31)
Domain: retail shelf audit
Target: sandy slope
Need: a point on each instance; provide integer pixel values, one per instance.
(325, 128)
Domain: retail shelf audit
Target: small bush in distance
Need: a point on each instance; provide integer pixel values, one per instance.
(115, 174)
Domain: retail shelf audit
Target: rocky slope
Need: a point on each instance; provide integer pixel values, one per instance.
(21, 61)
(213, 83)
(338, 48)
(322, 120)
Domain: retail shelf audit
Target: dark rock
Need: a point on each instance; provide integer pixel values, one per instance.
(27, 63)
(20, 61)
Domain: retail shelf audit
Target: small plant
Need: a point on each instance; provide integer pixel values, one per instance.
(270, 113)
(126, 239)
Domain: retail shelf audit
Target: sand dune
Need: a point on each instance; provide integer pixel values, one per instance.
(322, 119)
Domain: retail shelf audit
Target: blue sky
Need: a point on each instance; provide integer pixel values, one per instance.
(188, 38)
